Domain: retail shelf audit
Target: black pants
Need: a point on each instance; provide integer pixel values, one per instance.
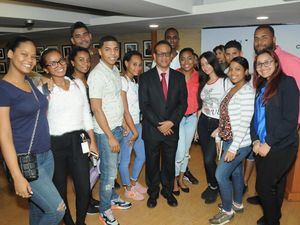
(69, 159)
(271, 177)
(206, 125)
(160, 153)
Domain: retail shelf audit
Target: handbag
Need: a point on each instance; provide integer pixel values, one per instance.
(28, 161)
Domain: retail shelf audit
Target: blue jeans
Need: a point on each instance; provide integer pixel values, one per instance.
(45, 206)
(231, 189)
(125, 154)
(187, 128)
(108, 169)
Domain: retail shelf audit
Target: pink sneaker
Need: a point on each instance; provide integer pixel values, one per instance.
(133, 194)
(139, 188)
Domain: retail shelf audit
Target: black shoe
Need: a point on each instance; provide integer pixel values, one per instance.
(94, 202)
(92, 210)
(210, 195)
(261, 221)
(117, 185)
(186, 190)
(254, 200)
(171, 200)
(245, 189)
(151, 202)
(188, 176)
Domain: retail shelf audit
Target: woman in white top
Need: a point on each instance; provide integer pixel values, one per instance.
(69, 117)
(237, 109)
(213, 86)
(132, 63)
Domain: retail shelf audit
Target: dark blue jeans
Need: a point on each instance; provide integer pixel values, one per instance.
(45, 206)
(230, 176)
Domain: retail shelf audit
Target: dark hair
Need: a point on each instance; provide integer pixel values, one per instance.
(266, 26)
(127, 57)
(45, 53)
(244, 63)
(213, 61)
(106, 39)
(15, 42)
(171, 29)
(78, 25)
(71, 57)
(273, 81)
(219, 47)
(162, 42)
(187, 50)
(233, 44)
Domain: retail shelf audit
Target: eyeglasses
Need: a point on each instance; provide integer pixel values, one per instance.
(54, 64)
(266, 63)
(162, 54)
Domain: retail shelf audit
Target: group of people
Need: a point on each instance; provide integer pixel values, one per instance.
(88, 110)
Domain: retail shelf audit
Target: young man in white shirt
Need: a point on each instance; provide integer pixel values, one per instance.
(105, 93)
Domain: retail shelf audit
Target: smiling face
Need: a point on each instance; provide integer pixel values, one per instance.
(109, 53)
(56, 65)
(237, 73)
(265, 65)
(134, 66)
(23, 58)
(187, 61)
(206, 67)
(82, 62)
(163, 56)
(81, 37)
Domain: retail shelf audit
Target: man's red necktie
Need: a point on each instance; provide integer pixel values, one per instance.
(164, 85)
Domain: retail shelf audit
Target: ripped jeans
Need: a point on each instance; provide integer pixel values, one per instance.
(108, 168)
(45, 206)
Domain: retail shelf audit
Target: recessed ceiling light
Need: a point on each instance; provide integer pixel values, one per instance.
(262, 17)
(153, 25)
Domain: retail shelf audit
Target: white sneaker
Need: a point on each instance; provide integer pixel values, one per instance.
(120, 204)
(140, 188)
(133, 194)
(107, 218)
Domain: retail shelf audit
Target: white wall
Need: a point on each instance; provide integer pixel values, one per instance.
(288, 37)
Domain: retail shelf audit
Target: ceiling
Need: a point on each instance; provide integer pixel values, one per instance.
(53, 17)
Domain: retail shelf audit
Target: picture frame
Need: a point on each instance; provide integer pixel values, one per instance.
(96, 45)
(147, 49)
(147, 65)
(66, 49)
(130, 46)
(2, 53)
(39, 50)
(52, 47)
(119, 65)
(3, 68)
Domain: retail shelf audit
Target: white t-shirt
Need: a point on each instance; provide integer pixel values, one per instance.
(211, 96)
(105, 84)
(131, 88)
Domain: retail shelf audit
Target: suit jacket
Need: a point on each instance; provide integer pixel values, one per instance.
(156, 109)
(281, 116)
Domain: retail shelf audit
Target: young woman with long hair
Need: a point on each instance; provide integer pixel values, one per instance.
(273, 132)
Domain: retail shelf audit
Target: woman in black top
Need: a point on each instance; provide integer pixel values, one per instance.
(273, 132)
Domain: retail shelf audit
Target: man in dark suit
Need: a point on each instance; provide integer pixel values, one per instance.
(163, 102)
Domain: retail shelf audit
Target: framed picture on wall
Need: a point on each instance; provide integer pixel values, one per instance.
(52, 47)
(66, 49)
(96, 45)
(132, 46)
(147, 49)
(147, 65)
(2, 53)
(119, 65)
(2, 68)
(39, 50)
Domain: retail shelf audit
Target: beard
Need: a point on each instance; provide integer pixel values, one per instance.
(270, 47)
